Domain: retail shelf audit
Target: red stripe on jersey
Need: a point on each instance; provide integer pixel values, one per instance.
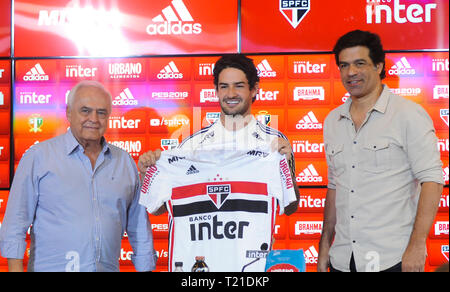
(243, 187)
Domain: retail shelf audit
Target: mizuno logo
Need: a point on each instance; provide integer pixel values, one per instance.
(36, 74)
(174, 19)
(125, 98)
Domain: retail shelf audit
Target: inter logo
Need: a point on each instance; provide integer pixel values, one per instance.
(294, 10)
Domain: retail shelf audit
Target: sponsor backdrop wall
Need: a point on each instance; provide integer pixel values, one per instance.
(156, 57)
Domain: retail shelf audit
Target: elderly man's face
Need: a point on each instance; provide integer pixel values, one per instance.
(88, 116)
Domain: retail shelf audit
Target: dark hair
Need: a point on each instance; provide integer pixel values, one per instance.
(240, 62)
(365, 39)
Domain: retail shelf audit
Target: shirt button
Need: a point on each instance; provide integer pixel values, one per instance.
(354, 142)
(353, 166)
(352, 191)
(354, 241)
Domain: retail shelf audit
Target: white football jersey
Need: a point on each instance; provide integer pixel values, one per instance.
(221, 203)
(255, 134)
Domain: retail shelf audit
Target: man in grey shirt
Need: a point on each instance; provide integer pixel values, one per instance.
(384, 169)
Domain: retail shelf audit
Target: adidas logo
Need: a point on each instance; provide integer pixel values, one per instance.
(125, 98)
(192, 170)
(402, 67)
(311, 255)
(175, 19)
(265, 70)
(170, 71)
(308, 122)
(309, 174)
(36, 74)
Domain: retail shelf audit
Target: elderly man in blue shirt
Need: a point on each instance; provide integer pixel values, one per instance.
(79, 194)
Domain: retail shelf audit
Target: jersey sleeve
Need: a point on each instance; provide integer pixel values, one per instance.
(282, 185)
(156, 189)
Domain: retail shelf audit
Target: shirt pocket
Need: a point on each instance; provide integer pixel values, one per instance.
(376, 156)
(335, 153)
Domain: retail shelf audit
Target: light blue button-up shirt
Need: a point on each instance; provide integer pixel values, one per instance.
(78, 214)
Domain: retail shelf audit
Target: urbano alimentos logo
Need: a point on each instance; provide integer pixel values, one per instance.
(175, 19)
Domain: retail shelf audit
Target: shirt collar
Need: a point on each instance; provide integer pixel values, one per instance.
(72, 144)
(380, 105)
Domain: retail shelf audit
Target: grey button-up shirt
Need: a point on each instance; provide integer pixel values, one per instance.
(377, 172)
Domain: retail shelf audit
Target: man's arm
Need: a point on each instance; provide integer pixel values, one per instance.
(415, 254)
(329, 222)
(15, 265)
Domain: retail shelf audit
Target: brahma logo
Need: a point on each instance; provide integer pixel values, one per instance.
(440, 92)
(36, 74)
(308, 227)
(294, 10)
(170, 71)
(309, 93)
(208, 95)
(403, 13)
(176, 21)
(441, 227)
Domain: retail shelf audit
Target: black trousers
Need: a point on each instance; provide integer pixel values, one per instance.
(395, 268)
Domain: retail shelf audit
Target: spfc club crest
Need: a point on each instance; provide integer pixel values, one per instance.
(218, 193)
(444, 251)
(168, 144)
(444, 115)
(294, 10)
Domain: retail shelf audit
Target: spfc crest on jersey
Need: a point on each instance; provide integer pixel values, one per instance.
(218, 193)
(294, 10)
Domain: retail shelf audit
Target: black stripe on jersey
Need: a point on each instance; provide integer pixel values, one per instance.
(270, 131)
(228, 206)
(201, 131)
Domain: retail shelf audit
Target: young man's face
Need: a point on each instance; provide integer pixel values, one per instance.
(359, 75)
(234, 93)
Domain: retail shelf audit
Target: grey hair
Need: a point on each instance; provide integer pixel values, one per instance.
(82, 84)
